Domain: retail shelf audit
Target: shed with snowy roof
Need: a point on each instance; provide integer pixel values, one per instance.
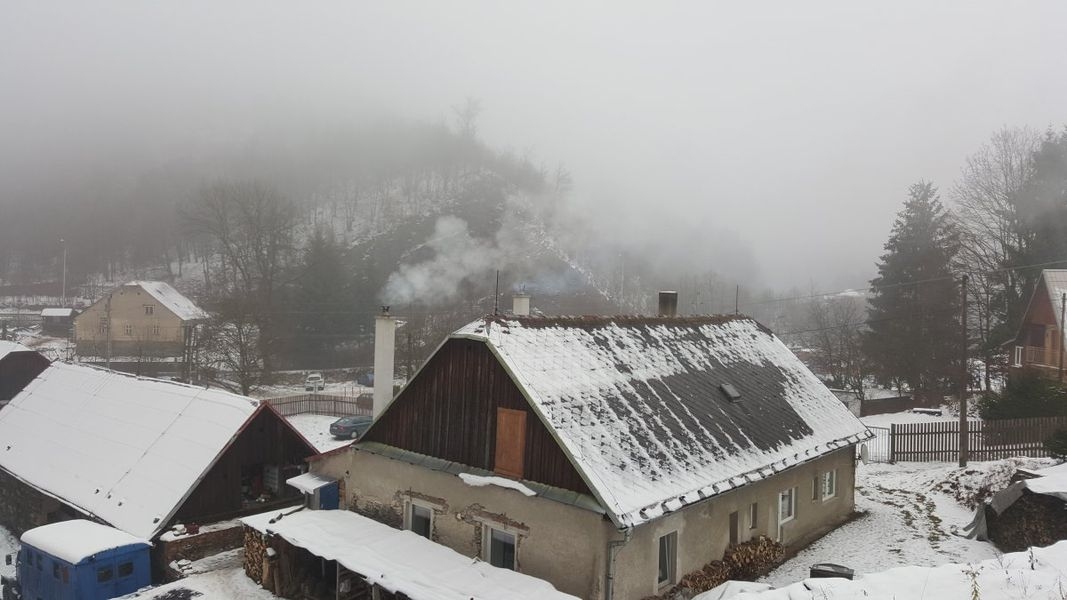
(138, 319)
(140, 454)
(607, 455)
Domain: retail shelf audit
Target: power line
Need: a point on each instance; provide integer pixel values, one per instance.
(904, 283)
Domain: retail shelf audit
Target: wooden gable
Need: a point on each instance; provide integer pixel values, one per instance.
(464, 407)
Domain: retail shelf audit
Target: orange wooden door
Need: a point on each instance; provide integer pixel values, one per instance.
(510, 442)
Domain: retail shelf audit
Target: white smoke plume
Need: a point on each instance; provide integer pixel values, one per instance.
(458, 255)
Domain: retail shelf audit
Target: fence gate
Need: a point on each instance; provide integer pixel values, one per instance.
(879, 448)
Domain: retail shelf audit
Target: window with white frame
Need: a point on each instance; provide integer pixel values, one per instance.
(787, 508)
(155, 330)
(668, 558)
(829, 484)
(500, 548)
(128, 329)
(420, 520)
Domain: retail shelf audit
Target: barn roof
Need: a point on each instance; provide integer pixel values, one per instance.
(657, 413)
(57, 312)
(172, 299)
(124, 449)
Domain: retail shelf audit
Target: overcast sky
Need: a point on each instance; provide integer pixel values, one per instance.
(797, 126)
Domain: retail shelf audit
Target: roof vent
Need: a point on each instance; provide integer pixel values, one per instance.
(730, 391)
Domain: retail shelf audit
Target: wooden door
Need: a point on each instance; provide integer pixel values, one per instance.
(510, 442)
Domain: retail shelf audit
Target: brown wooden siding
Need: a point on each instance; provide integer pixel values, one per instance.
(266, 440)
(449, 411)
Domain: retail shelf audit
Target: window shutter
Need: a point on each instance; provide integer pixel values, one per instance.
(510, 442)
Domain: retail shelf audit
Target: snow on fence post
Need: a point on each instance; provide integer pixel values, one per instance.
(892, 443)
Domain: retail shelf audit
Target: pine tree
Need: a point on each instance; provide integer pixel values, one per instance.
(323, 301)
(913, 314)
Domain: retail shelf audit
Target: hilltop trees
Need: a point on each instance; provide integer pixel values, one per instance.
(913, 335)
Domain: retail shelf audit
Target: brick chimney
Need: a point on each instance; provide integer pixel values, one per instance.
(384, 357)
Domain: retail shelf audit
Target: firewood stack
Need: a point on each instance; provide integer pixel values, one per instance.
(753, 558)
(255, 550)
(745, 561)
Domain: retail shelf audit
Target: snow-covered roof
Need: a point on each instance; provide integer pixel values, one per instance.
(57, 312)
(77, 540)
(401, 561)
(127, 450)
(172, 299)
(638, 404)
(7, 347)
(309, 482)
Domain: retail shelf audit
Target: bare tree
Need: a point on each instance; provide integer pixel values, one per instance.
(989, 204)
(835, 338)
(230, 354)
(467, 117)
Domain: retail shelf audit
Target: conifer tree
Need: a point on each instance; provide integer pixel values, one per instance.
(913, 314)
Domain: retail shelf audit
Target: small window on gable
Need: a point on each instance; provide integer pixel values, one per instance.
(149, 309)
(155, 330)
(753, 515)
(128, 329)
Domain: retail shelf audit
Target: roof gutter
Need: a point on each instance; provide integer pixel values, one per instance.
(609, 577)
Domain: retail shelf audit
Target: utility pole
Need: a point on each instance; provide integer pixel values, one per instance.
(107, 347)
(1063, 310)
(64, 295)
(964, 373)
(496, 294)
(737, 298)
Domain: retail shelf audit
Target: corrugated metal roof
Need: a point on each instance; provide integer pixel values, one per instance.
(637, 403)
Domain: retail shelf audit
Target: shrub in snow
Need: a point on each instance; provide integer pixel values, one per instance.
(1056, 445)
(1027, 394)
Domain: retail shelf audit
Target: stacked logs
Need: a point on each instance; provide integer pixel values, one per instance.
(753, 558)
(255, 550)
(745, 561)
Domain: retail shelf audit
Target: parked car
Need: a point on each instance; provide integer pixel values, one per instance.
(314, 383)
(350, 427)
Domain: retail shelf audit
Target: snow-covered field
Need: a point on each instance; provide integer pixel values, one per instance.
(332, 388)
(1040, 574)
(316, 428)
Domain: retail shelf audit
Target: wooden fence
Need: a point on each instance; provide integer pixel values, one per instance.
(321, 404)
(986, 440)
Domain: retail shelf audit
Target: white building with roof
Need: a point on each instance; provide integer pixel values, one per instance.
(138, 319)
(609, 456)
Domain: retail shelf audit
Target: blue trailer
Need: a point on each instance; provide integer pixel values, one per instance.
(78, 560)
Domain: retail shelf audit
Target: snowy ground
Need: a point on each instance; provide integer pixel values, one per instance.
(907, 521)
(908, 417)
(8, 545)
(316, 428)
(224, 584)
